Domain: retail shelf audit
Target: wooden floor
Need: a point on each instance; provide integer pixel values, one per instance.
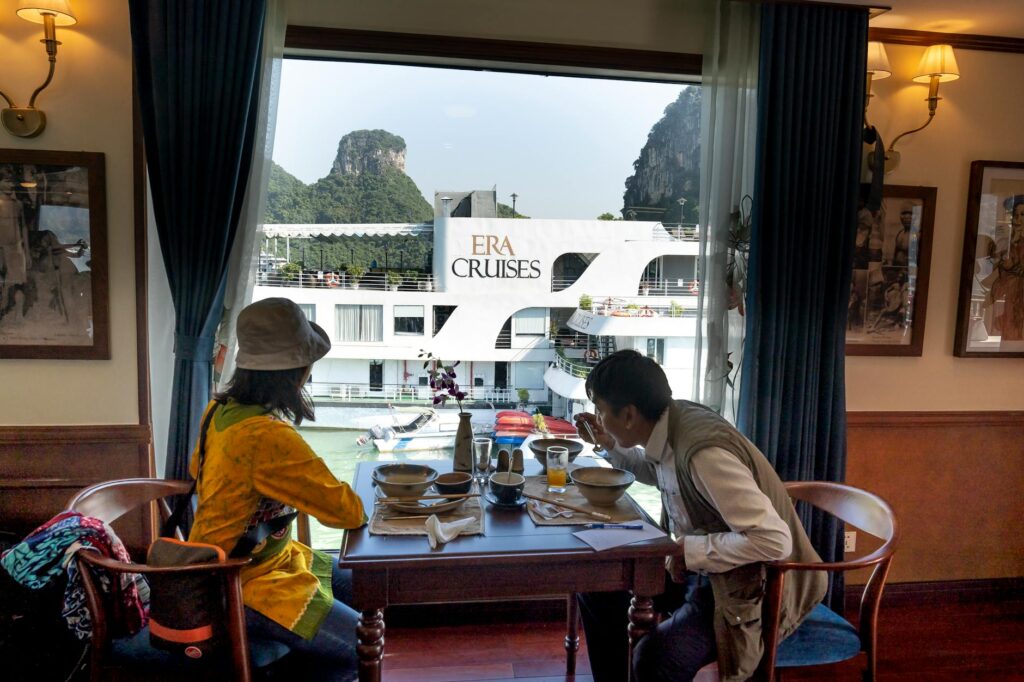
(937, 642)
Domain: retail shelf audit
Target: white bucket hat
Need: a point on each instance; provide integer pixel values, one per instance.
(274, 334)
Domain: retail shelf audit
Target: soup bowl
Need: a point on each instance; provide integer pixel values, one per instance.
(453, 482)
(404, 480)
(602, 487)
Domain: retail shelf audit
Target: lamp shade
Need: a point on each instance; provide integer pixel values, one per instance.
(878, 61)
(938, 60)
(33, 10)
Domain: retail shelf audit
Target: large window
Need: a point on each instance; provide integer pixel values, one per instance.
(405, 189)
(359, 323)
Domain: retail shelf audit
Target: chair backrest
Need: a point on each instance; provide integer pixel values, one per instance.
(110, 500)
(859, 508)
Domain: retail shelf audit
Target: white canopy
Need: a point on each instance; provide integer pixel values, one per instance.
(348, 230)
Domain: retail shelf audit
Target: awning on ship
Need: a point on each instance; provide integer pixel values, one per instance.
(348, 230)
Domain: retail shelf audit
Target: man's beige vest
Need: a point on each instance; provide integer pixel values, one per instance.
(739, 592)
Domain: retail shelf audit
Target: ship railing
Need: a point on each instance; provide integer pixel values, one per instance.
(580, 370)
(618, 306)
(680, 286)
(676, 232)
(373, 281)
(413, 394)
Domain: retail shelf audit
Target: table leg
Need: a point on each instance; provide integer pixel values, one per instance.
(642, 620)
(370, 649)
(572, 637)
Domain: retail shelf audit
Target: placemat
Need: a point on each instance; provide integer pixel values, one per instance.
(388, 522)
(625, 508)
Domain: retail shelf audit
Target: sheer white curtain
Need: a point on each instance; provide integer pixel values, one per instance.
(359, 322)
(728, 125)
(238, 292)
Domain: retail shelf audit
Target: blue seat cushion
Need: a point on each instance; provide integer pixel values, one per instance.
(136, 650)
(824, 637)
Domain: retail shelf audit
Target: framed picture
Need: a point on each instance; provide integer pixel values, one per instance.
(53, 255)
(990, 313)
(889, 291)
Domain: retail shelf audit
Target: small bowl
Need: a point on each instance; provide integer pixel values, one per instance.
(602, 487)
(507, 488)
(541, 445)
(404, 480)
(455, 482)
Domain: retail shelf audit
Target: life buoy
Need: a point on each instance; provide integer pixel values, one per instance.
(332, 279)
(646, 312)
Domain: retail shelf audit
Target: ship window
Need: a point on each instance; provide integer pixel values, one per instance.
(530, 322)
(409, 319)
(309, 310)
(656, 350)
(363, 323)
(441, 315)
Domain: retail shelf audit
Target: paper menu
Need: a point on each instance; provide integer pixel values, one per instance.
(606, 538)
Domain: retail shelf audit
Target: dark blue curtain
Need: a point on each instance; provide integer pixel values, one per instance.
(197, 76)
(810, 107)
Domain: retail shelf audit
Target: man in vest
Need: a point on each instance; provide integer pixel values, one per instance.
(727, 510)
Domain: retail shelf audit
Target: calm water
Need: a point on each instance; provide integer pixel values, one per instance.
(339, 450)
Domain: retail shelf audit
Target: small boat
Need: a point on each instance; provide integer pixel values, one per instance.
(512, 421)
(417, 428)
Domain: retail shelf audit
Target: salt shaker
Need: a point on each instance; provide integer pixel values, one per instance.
(517, 461)
(502, 460)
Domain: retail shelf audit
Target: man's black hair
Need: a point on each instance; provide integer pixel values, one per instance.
(273, 389)
(628, 378)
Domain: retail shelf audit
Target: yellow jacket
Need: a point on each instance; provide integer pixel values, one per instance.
(258, 467)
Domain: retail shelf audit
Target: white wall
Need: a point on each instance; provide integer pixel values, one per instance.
(88, 108)
(978, 118)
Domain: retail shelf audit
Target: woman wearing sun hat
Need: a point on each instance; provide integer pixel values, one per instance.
(257, 467)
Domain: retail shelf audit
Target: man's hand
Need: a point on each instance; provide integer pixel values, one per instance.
(595, 433)
(676, 567)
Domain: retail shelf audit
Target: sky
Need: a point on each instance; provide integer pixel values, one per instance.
(564, 145)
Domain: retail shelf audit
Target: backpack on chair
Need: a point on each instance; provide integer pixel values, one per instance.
(186, 611)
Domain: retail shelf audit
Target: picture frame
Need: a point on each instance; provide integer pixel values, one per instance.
(889, 287)
(990, 309)
(54, 296)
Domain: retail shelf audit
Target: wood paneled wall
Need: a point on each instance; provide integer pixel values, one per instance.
(956, 483)
(41, 467)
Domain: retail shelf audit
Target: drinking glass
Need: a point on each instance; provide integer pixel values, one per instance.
(558, 468)
(481, 458)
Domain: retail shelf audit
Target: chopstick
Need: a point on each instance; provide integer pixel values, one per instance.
(453, 496)
(596, 515)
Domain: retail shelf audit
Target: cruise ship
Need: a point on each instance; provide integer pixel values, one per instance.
(527, 306)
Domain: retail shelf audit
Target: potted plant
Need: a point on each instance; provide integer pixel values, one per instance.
(290, 271)
(674, 309)
(355, 272)
(524, 396)
(586, 303)
(393, 279)
(633, 309)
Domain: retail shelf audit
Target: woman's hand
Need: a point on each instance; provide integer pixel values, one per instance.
(592, 432)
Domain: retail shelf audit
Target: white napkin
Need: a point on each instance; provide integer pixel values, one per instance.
(439, 533)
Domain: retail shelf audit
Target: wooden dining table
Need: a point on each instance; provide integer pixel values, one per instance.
(513, 559)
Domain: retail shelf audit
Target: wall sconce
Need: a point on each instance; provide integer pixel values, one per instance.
(29, 121)
(878, 68)
(938, 65)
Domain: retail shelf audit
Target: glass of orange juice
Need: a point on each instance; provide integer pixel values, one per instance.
(558, 466)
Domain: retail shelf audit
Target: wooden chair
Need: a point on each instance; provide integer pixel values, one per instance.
(109, 501)
(825, 637)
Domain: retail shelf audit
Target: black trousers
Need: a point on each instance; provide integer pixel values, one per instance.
(673, 652)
